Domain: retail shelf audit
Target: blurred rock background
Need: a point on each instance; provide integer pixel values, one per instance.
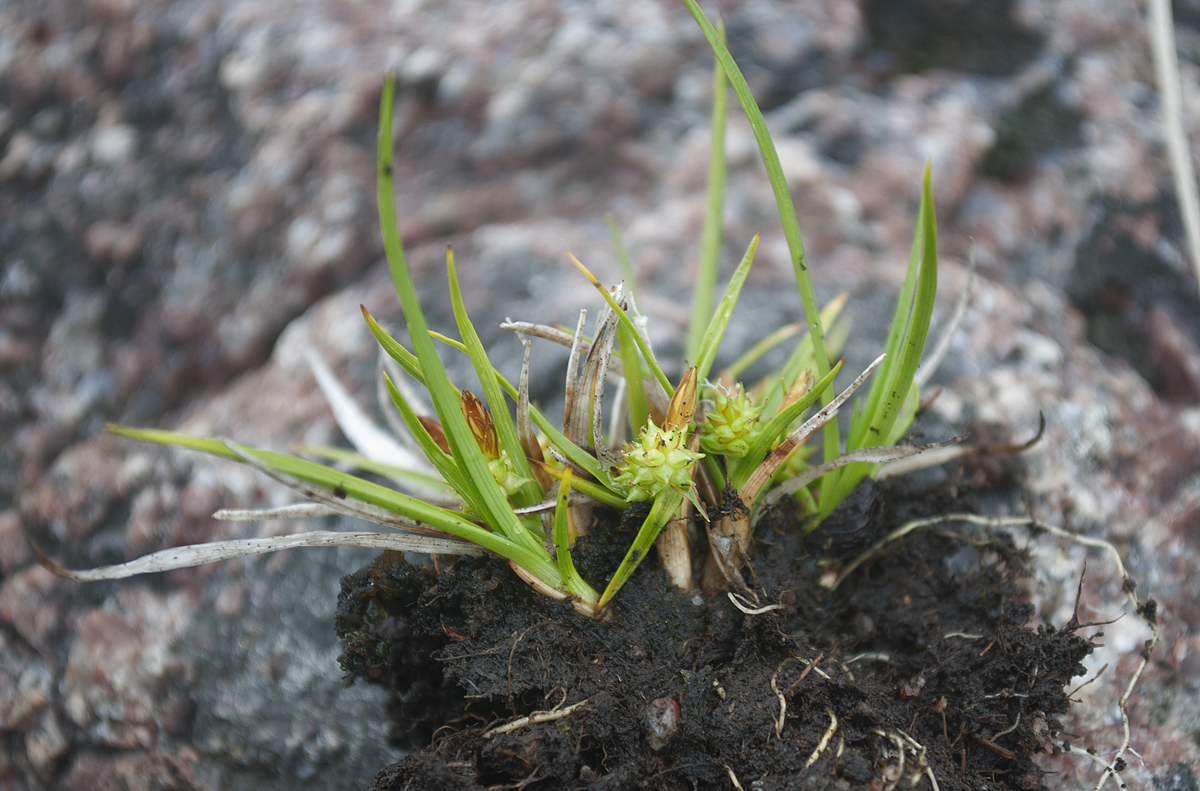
(187, 202)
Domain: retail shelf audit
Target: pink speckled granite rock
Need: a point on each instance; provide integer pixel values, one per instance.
(187, 198)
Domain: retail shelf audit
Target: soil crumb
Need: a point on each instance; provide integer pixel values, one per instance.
(920, 667)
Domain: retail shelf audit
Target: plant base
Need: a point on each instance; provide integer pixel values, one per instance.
(920, 665)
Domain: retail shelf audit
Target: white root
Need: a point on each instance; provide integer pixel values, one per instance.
(824, 742)
(746, 608)
(533, 719)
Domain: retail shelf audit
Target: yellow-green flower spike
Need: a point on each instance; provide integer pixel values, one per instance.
(658, 461)
(732, 424)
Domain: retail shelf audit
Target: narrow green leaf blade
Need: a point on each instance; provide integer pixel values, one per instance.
(897, 403)
(407, 361)
(720, 319)
(635, 390)
(665, 508)
(441, 460)
(506, 430)
(359, 461)
(481, 487)
(783, 200)
(614, 232)
(710, 240)
(572, 582)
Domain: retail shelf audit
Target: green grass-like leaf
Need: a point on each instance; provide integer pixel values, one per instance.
(441, 460)
(627, 350)
(720, 320)
(623, 260)
(572, 582)
(710, 240)
(407, 361)
(506, 430)
(783, 200)
(480, 486)
(665, 508)
(893, 399)
(351, 486)
(361, 462)
(635, 389)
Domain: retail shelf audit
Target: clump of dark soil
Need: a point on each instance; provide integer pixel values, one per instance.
(920, 666)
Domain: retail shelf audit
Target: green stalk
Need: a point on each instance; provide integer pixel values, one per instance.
(614, 232)
(787, 211)
(487, 494)
(800, 358)
(707, 351)
(710, 241)
(572, 582)
(635, 389)
(665, 508)
(506, 431)
(766, 344)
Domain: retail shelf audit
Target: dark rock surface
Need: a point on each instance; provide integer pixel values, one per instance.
(186, 201)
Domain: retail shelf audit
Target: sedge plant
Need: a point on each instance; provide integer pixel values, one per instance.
(521, 489)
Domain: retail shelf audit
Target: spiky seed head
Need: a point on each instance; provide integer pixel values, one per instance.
(658, 461)
(732, 424)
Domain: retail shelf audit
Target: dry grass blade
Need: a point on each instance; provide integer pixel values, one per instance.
(366, 437)
(595, 370)
(560, 337)
(573, 427)
(878, 455)
(1166, 68)
(343, 504)
(765, 470)
(296, 511)
(200, 554)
